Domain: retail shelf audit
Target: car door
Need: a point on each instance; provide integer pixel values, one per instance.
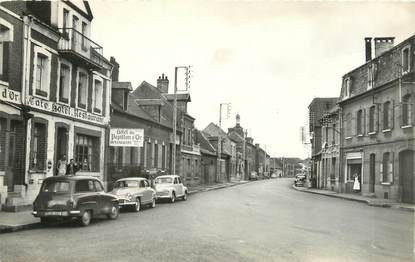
(148, 192)
(178, 186)
(85, 191)
(99, 194)
(145, 199)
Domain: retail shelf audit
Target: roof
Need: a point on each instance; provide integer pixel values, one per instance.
(214, 130)
(234, 136)
(122, 85)
(179, 97)
(205, 145)
(323, 99)
(145, 102)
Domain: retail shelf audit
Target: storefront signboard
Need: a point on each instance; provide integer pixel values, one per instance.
(126, 137)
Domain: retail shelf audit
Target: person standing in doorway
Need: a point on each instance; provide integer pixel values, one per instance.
(61, 168)
(356, 184)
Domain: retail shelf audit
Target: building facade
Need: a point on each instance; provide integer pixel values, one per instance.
(377, 117)
(63, 96)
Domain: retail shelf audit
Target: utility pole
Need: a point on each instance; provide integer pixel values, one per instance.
(175, 110)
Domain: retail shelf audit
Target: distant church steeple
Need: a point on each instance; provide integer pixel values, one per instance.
(238, 120)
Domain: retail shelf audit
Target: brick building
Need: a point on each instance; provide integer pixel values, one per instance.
(317, 108)
(208, 160)
(377, 117)
(250, 157)
(64, 83)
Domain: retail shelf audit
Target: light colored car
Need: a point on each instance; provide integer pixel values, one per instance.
(170, 187)
(253, 176)
(134, 192)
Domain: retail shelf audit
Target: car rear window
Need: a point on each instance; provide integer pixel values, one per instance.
(55, 186)
(126, 183)
(164, 180)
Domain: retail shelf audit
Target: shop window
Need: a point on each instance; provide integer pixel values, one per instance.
(386, 168)
(406, 60)
(386, 112)
(42, 73)
(64, 83)
(82, 90)
(87, 153)
(406, 110)
(38, 147)
(97, 96)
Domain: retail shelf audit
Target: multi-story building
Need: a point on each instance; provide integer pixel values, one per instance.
(237, 134)
(154, 157)
(377, 117)
(260, 157)
(250, 157)
(60, 83)
(317, 108)
(209, 159)
(329, 166)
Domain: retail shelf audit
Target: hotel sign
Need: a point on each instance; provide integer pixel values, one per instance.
(126, 137)
(63, 110)
(9, 95)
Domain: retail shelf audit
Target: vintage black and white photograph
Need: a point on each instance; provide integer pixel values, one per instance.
(207, 130)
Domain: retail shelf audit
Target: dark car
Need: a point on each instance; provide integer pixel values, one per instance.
(73, 197)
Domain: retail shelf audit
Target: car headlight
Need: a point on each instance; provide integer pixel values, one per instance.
(129, 196)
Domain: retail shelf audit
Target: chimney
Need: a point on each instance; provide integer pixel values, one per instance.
(163, 84)
(368, 49)
(383, 44)
(115, 69)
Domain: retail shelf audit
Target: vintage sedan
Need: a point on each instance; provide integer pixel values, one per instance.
(78, 197)
(170, 187)
(134, 192)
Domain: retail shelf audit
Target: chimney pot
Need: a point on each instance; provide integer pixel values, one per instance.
(163, 83)
(368, 48)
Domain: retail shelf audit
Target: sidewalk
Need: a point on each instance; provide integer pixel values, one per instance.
(368, 200)
(11, 222)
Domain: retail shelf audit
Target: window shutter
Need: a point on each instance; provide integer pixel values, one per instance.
(364, 127)
(411, 109)
(391, 165)
(392, 114)
(376, 116)
(381, 172)
(354, 125)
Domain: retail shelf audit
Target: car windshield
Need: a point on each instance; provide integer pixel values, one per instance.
(55, 186)
(164, 180)
(126, 183)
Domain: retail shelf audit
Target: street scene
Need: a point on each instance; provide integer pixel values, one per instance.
(206, 131)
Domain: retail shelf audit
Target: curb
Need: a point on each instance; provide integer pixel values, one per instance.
(15, 228)
(214, 188)
(367, 202)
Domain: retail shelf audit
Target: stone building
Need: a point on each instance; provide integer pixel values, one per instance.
(209, 159)
(237, 134)
(250, 157)
(377, 117)
(61, 86)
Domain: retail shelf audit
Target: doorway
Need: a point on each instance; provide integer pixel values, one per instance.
(406, 173)
(372, 179)
(15, 161)
(61, 144)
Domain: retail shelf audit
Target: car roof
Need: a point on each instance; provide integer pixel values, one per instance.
(131, 178)
(70, 178)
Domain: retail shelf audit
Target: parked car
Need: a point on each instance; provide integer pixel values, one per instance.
(273, 175)
(134, 192)
(170, 187)
(253, 176)
(73, 197)
(299, 180)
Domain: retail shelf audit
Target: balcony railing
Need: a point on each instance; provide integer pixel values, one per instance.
(78, 46)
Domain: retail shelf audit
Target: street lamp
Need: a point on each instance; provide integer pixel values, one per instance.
(187, 68)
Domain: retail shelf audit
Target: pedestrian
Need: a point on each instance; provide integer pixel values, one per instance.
(61, 167)
(71, 168)
(356, 184)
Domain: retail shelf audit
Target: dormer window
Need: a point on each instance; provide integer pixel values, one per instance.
(371, 74)
(406, 60)
(347, 87)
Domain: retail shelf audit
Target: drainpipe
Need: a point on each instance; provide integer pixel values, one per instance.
(341, 174)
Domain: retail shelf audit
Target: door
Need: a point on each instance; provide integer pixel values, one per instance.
(61, 145)
(372, 165)
(144, 188)
(178, 186)
(14, 163)
(406, 175)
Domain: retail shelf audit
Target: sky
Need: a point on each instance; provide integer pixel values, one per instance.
(269, 59)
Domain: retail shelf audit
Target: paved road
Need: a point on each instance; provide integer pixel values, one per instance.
(259, 221)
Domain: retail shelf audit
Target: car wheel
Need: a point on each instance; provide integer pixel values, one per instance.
(115, 210)
(137, 205)
(173, 197)
(185, 196)
(85, 219)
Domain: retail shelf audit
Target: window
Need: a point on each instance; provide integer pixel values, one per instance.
(156, 155)
(334, 134)
(82, 89)
(119, 158)
(163, 162)
(347, 87)
(98, 186)
(65, 22)
(386, 168)
(38, 147)
(84, 37)
(64, 83)
(406, 110)
(372, 111)
(55, 186)
(97, 102)
(87, 152)
(386, 112)
(406, 60)
(348, 125)
(359, 122)
(371, 74)
(6, 36)
(84, 186)
(42, 74)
